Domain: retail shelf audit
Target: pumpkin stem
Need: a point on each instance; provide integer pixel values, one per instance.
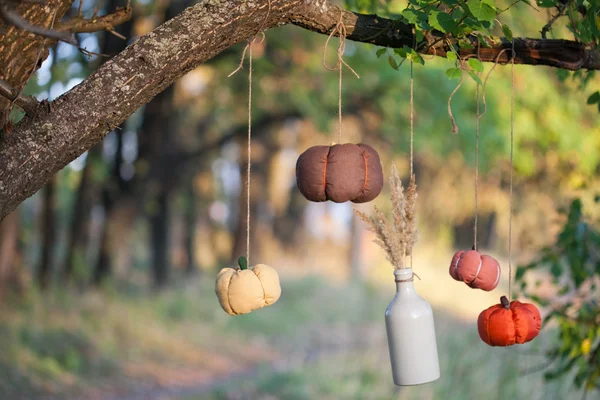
(505, 302)
(243, 263)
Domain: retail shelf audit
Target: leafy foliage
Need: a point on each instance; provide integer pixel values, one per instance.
(573, 261)
(466, 24)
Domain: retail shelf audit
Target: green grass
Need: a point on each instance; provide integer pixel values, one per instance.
(63, 344)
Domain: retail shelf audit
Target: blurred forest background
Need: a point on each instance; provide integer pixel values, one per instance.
(107, 274)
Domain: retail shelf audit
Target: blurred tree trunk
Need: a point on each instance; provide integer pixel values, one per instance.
(81, 214)
(160, 240)
(190, 231)
(114, 185)
(48, 234)
(157, 144)
(9, 233)
(103, 267)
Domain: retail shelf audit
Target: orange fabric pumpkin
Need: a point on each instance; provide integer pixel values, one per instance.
(479, 271)
(508, 323)
(339, 173)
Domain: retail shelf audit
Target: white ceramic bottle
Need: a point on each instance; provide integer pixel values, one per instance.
(411, 334)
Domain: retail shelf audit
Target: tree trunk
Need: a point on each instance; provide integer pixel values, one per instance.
(160, 240)
(48, 234)
(21, 52)
(114, 186)
(9, 233)
(80, 218)
(103, 267)
(191, 218)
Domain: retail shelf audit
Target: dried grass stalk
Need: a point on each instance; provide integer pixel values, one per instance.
(398, 238)
(411, 216)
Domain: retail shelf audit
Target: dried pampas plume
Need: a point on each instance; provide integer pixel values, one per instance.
(397, 239)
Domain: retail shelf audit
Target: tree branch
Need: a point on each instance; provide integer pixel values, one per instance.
(11, 16)
(40, 146)
(321, 16)
(106, 22)
(27, 103)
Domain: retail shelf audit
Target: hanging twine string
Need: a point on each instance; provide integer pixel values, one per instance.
(248, 48)
(340, 28)
(476, 169)
(510, 196)
(412, 115)
(412, 278)
(481, 99)
(249, 166)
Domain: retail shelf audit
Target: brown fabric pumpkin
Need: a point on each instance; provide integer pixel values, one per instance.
(478, 271)
(340, 173)
(508, 323)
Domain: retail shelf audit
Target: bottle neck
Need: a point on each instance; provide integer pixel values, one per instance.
(404, 281)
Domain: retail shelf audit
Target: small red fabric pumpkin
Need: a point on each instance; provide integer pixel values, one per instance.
(508, 323)
(479, 271)
(340, 173)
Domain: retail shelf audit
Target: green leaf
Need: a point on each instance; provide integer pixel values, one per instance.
(411, 15)
(441, 21)
(400, 52)
(474, 76)
(417, 58)
(243, 263)
(481, 10)
(451, 56)
(563, 74)
(453, 73)
(507, 32)
(420, 36)
(393, 62)
(381, 52)
(594, 98)
(475, 64)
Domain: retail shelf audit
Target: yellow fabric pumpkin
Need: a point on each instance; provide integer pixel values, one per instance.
(245, 290)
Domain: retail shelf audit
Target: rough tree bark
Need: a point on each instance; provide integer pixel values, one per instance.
(22, 52)
(43, 144)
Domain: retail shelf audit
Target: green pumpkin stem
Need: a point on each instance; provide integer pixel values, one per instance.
(505, 302)
(243, 263)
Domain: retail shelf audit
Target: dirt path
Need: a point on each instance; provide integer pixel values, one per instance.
(187, 381)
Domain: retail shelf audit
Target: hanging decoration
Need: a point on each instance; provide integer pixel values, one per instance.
(478, 271)
(339, 172)
(510, 322)
(242, 290)
(409, 318)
